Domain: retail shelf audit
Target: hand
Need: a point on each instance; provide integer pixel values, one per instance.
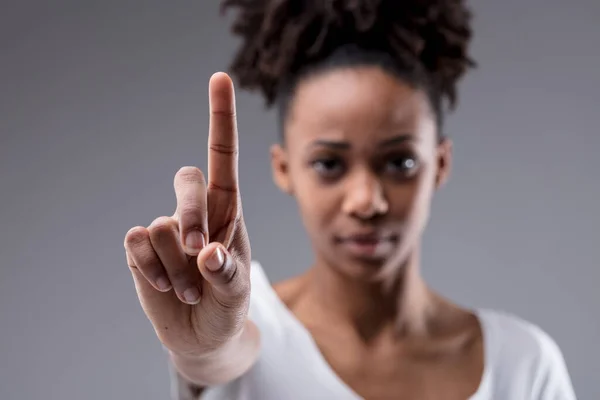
(192, 270)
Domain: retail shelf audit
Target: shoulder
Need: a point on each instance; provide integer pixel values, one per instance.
(286, 291)
(522, 353)
(514, 333)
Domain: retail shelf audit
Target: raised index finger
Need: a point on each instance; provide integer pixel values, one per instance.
(222, 136)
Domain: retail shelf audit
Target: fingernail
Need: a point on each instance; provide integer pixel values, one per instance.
(194, 241)
(163, 284)
(191, 295)
(216, 260)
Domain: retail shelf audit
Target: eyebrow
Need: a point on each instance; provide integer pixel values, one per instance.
(342, 145)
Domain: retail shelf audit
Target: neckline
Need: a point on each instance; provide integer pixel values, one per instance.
(481, 315)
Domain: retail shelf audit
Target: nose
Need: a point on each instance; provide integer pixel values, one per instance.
(365, 198)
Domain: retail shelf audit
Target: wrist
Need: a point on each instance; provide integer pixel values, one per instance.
(222, 365)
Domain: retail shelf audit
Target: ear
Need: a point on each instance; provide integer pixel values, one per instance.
(280, 168)
(444, 160)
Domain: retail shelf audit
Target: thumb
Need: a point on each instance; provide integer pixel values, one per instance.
(227, 276)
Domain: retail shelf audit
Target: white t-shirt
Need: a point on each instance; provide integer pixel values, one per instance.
(522, 362)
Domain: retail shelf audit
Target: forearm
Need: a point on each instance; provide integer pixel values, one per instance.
(222, 366)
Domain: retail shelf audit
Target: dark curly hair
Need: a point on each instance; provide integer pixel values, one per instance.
(424, 42)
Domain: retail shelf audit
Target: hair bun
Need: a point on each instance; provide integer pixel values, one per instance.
(281, 36)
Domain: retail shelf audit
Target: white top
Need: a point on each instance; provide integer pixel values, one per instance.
(522, 362)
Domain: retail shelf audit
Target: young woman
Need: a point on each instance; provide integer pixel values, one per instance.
(361, 87)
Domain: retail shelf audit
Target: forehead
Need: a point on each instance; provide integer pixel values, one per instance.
(358, 104)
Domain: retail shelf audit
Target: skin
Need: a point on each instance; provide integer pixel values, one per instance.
(192, 270)
(361, 157)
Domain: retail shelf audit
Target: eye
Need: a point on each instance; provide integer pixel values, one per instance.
(405, 165)
(328, 168)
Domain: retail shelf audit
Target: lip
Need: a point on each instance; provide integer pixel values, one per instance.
(368, 245)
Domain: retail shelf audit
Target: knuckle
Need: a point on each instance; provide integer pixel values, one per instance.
(162, 228)
(191, 216)
(180, 277)
(225, 112)
(227, 149)
(136, 236)
(148, 261)
(230, 188)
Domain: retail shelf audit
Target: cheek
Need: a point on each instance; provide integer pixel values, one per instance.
(318, 204)
(425, 192)
(411, 201)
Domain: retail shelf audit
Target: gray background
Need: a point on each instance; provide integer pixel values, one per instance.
(102, 101)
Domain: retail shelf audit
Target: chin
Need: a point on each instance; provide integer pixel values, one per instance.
(370, 253)
(370, 263)
(359, 268)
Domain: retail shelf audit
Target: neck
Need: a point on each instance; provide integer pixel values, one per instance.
(403, 306)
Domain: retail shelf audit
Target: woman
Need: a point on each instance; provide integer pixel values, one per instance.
(361, 87)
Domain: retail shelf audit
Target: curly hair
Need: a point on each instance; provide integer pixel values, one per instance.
(425, 41)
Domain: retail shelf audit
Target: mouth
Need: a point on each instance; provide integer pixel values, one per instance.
(370, 245)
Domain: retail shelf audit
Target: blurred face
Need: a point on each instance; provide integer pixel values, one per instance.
(362, 159)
